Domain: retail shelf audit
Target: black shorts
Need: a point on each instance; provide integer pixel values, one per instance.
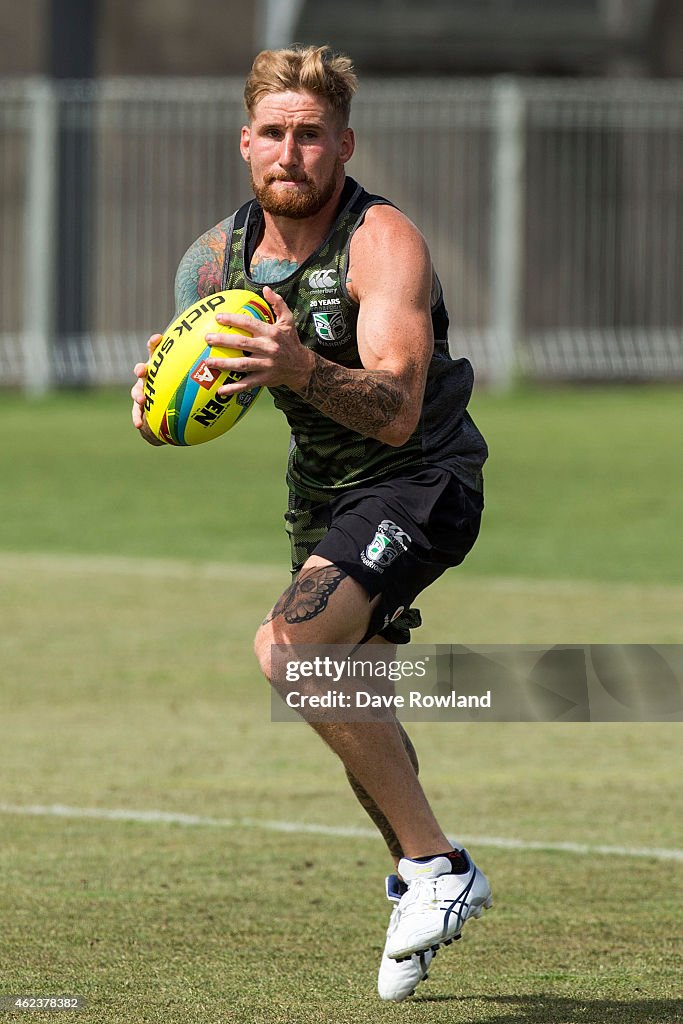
(395, 538)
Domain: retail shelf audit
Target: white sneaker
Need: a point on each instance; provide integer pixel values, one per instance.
(398, 979)
(436, 905)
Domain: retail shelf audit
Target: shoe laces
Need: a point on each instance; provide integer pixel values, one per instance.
(420, 891)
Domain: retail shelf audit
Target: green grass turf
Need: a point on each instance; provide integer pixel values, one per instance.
(581, 484)
(128, 682)
(139, 692)
(158, 924)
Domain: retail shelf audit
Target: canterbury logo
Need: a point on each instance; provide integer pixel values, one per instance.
(322, 279)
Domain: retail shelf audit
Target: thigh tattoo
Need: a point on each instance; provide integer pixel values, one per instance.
(308, 595)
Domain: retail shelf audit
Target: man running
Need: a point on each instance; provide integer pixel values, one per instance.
(385, 464)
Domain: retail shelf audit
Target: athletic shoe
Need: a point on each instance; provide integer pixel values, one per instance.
(398, 979)
(436, 904)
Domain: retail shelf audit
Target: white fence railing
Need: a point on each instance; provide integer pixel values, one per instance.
(553, 210)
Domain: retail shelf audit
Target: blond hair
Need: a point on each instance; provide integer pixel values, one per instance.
(316, 69)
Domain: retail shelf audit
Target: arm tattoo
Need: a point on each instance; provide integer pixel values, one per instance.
(363, 400)
(308, 595)
(201, 268)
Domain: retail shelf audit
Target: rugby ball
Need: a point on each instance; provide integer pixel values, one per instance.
(181, 404)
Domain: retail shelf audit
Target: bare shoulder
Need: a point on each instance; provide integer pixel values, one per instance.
(384, 225)
(387, 243)
(201, 268)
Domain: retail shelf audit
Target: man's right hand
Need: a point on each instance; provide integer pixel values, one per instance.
(138, 395)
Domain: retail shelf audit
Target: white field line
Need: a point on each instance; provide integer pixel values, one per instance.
(178, 569)
(154, 817)
(159, 568)
(150, 568)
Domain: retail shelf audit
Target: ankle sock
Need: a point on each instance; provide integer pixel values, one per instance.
(459, 863)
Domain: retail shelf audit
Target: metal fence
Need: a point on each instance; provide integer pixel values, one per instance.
(553, 210)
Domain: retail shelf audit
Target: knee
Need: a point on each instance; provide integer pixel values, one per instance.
(262, 645)
(272, 659)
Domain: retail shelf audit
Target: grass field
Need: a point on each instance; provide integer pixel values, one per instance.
(132, 581)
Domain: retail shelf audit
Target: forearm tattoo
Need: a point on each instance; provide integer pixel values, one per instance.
(308, 595)
(363, 400)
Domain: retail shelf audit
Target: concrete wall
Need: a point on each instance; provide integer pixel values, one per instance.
(139, 37)
(219, 38)
(23, 37)
(176, 37)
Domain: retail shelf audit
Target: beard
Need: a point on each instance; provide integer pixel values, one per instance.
(293, 203)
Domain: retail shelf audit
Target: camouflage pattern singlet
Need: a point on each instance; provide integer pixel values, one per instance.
(325, 457)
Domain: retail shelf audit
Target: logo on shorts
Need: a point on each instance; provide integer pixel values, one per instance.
(388, 619)
(389, 542)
